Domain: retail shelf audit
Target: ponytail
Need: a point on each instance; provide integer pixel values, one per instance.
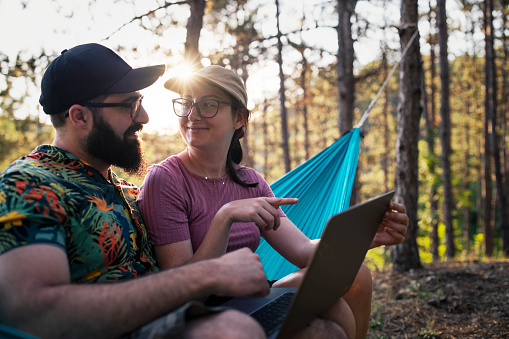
(235, 153)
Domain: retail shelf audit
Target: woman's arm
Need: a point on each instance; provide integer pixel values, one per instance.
(262, 211)
(291, 243)
(297, 248)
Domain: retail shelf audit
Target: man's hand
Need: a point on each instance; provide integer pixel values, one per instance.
(242, 274)
(393, 228)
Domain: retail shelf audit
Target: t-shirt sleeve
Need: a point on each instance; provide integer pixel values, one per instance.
(162, 205)
(31, 211)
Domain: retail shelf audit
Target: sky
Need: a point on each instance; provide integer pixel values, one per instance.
(55, 25)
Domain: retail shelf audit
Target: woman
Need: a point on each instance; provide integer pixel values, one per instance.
(201, 203)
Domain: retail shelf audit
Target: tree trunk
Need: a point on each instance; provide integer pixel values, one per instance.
(430, 114)
(488, 224)
(305, 102)
(346, 80)
(194, 25)
(265, 131)
(504, 110)
(247, 159)
(385, 114)
(468, 104)
(405, 256)
(282, 97)
(445, 129)
(491, 112)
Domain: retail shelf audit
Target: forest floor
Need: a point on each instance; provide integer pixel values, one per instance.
(445, 300)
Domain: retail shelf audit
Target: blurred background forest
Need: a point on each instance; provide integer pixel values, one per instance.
(312, 68)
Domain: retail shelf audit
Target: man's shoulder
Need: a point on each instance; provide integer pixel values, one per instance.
(31, 167)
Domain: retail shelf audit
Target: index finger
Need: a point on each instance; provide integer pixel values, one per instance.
(276, 202)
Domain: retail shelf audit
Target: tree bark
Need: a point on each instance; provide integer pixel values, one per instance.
(265, 130)
(194, 25)
(346, 79)
(305, 102)
(505, 111)
(491, 113)
(405, 256)
(282, 97)
(385, 114)
(431, 139)
(429, 115)
(445, 129)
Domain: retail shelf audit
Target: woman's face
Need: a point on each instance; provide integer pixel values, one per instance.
(215, 133)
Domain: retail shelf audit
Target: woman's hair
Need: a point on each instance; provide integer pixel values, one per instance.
(235, 153)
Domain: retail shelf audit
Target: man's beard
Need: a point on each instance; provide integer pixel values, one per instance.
(126, 153)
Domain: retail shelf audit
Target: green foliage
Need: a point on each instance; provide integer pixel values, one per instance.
(429, 333)
(237, 28)
(19, 136)
(378, 258)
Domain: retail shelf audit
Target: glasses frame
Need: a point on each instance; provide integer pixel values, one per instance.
(195, 104)
(132, 105)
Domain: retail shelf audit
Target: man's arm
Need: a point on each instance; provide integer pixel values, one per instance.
(38, 298)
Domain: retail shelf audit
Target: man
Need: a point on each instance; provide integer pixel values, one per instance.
(75, 260)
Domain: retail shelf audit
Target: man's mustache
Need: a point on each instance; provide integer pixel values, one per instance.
(135, 127)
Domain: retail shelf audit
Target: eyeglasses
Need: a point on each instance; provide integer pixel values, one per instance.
(206, 108)
(134, 106)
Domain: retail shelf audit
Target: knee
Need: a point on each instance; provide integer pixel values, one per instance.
(236, 324)
(322, 328)
(363, 283)
(228, 324)
(291, 280)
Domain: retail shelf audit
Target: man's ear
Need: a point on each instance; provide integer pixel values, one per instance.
(80, 116)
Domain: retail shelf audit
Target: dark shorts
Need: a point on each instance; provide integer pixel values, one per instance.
(173, 325)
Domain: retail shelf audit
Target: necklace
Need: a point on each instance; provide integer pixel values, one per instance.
(221, 180)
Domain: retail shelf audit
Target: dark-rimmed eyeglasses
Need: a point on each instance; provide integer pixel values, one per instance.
(207, 108)
(134, 105)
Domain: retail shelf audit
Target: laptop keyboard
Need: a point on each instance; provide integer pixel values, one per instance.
(271, 315)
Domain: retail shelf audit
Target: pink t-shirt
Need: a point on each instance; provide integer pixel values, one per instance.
(178, 205)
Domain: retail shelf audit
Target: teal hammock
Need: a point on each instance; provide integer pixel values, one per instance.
(323, 185)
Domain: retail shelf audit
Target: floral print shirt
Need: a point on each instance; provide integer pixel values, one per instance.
(52, 197)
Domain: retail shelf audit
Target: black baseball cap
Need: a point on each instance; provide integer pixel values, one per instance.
(87, 71)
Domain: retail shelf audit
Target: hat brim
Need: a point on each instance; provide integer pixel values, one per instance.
(179, 84)
(137, 79)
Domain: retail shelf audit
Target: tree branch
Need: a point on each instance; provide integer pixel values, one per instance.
(151, 12)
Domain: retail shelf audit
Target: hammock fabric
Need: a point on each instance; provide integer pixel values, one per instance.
(323, 185)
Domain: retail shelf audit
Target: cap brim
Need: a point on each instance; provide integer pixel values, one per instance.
(137, 79)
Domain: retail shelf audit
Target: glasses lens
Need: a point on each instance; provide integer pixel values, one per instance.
(182, 107)
(208, 108)
(135, 108)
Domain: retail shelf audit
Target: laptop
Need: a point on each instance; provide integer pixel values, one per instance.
(331, 271)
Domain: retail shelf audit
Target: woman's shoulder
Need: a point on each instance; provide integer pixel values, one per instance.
(171, 166)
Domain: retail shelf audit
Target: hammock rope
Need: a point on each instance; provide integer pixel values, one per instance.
(375, 99)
